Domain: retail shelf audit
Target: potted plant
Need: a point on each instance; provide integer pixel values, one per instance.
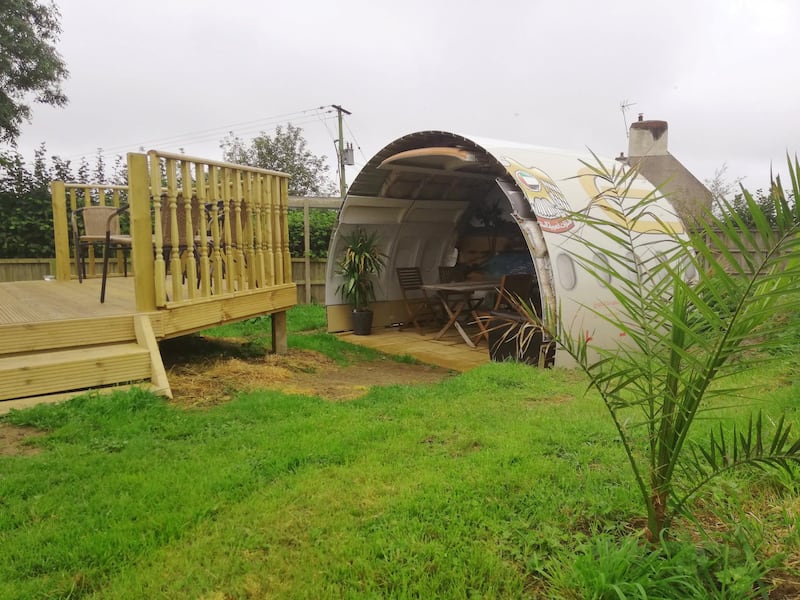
(361, 261)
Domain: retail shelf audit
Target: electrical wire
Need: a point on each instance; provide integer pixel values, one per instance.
(297, 118)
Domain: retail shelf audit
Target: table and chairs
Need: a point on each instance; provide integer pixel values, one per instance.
(479, 310)
(459, 301)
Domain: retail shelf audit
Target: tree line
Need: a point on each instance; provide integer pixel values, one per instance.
(26, 230)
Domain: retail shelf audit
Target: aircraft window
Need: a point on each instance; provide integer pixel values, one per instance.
(663, 260)
(601, 260)
(566, 271)
(690, 274)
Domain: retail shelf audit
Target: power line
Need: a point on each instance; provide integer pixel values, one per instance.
(255, 125)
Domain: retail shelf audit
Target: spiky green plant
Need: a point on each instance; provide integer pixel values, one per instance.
(361, 260)
(684, 335)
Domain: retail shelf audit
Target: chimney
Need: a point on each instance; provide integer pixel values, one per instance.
(647, 138)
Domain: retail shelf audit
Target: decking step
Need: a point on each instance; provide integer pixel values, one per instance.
(53, 335)
(26, 375)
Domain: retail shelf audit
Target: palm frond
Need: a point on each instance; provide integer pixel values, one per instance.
(750, 446)
(683, 333)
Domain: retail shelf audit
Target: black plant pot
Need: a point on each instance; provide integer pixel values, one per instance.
(362, 322)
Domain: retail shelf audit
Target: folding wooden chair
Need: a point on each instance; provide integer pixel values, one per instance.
(512, 288)
(419, 305)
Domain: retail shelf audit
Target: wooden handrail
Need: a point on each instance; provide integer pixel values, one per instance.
(233, 221)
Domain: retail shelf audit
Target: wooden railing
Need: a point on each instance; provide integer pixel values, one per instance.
(67, 197)
(200, 228)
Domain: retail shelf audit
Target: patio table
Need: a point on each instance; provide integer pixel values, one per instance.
(456, 298)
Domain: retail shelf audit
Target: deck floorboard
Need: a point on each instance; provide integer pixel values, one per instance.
(38, 301)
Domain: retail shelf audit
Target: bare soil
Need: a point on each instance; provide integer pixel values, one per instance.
(12, 440)
(298, 372)
(217, 372)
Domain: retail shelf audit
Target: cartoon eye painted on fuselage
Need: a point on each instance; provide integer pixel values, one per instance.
(529, 181)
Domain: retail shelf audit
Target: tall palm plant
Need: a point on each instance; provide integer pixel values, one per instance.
(683, 334)
(362, 258)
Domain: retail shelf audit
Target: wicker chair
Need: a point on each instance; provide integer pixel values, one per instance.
(99, 225)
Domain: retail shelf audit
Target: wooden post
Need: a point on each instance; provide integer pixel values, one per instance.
(202, 200)
(61, 230)
(307, 247)
(284, 220)
(159, 267)
(175, 267)
(279, 341)
(277, 230)
(141, 232)
(269, 259)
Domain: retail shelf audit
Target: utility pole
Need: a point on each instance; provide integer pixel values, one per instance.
(340, 150)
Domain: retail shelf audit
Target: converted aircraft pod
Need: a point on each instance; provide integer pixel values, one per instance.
(437, 199)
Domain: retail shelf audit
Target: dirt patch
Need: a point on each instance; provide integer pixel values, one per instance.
(12, 440)
(215, 376)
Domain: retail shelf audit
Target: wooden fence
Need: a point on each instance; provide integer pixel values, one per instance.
(26, 269)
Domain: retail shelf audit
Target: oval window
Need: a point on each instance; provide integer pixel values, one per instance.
(602, 269)
(690, 275)
(566, 271)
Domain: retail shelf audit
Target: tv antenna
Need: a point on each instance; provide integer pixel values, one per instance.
(624, 106)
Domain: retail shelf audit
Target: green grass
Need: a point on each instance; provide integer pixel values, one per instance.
(305, 325)
(504, 482)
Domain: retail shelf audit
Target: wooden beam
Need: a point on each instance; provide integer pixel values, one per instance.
(146, 338)
(334, 202)
(279, 337)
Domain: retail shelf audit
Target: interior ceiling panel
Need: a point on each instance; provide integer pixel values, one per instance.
(448, 167)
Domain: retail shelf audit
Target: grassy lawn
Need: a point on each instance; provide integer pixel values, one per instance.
(503, 482)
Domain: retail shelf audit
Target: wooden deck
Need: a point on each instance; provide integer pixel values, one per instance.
(207, 243)
(27, 302)
(38, 301)
(58, 340)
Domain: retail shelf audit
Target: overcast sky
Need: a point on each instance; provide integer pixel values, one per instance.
(172, 74)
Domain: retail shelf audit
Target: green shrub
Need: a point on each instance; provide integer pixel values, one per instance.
(321, 223)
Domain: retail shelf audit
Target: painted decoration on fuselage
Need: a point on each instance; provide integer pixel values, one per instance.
(545, 198)
(657, 219)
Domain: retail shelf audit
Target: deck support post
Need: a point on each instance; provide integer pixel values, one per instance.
(142, 232)
(279, 343)
(61, 230)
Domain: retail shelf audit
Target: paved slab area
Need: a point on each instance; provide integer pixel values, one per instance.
(450, 352)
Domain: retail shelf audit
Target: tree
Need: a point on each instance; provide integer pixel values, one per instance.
(26, 230)
(29, 63)
(720, 186)
(685, 335)
(730, 201)
(286, 151)
(320, 227)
